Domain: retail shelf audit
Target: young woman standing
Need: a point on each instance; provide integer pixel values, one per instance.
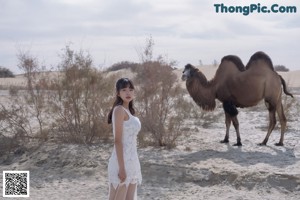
(124, 170)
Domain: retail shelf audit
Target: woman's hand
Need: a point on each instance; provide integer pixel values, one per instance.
(122, 175)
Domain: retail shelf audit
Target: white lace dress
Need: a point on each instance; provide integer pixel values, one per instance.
(131, 128)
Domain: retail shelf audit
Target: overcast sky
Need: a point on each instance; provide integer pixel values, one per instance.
(115, 30)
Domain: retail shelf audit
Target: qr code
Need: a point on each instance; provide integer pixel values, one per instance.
(15, 183)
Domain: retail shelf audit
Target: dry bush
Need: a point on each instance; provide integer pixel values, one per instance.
(17, 130)
(161, 105)
(80, 100)
(7, 145)
(71, 107)
(289, 104)
(35, 95)
(290, 107)
(281, 68)
(15, 127)
(14, 120)
(24, 111)
(4, 73)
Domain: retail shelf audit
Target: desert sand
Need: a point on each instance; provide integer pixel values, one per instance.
(200, 167)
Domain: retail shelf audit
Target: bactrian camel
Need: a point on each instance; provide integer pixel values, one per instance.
(238, 86)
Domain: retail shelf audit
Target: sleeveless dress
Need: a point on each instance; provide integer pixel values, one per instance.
(131, 128)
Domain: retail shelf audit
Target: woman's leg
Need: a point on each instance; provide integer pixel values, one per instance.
(112, 192)
(119, 193)
(131, 192)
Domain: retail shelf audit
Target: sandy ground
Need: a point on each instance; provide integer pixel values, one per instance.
(200, 167)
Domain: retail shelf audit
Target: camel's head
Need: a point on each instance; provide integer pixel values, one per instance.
(187, 72)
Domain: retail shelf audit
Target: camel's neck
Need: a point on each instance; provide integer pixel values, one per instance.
(202, 91)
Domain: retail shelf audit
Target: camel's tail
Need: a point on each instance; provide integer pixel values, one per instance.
(284, 87)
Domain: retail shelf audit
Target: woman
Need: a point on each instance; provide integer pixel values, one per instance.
(124, 170)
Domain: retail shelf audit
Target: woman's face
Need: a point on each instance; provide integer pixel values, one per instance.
(126, 94)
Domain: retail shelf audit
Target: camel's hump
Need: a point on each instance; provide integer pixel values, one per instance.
(260, 55)
(236, 60)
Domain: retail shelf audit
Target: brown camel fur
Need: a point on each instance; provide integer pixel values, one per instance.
(238, 86)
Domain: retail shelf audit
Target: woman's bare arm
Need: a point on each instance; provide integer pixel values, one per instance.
(119, 120)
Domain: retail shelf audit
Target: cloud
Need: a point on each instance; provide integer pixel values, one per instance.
(186, 30)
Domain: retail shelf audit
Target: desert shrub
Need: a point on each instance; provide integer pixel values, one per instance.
(81, 100)
(7, 144)
(161, 104)
(24, 111)
(281, 68)
(13, 91)
(5, 73)
(15, 128)
(289, 104)
(162, 108)
(34, 96)
(14, 120)
(71, 107)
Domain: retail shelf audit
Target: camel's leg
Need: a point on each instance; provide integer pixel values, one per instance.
(228, 123)
(230, 114)
(235, 123)
(272, 122)
(282, 120)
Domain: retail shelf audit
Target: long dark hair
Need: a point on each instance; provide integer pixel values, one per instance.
(121, 83)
